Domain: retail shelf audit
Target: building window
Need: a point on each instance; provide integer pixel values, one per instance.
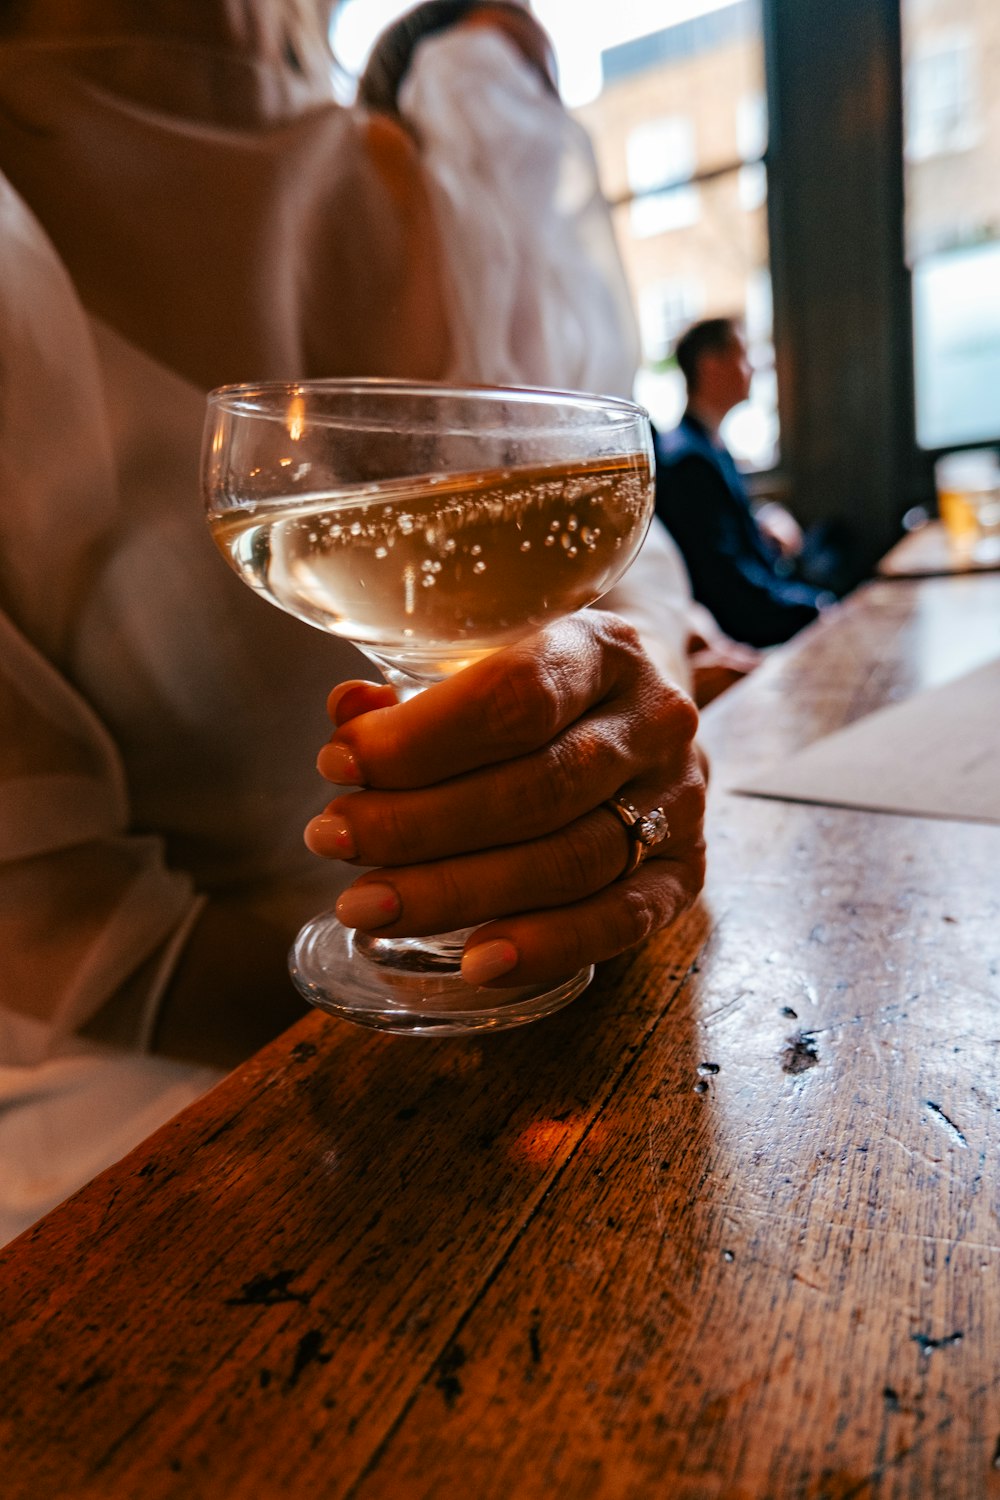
(751, 143)
(665, 309)
(956, 307)
(952, 178)
(751, 430)
(660, 158)
(941, 115)
(751, 126)
(751, 186)
(680, 130)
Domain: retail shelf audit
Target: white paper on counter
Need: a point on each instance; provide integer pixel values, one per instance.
(937, 755)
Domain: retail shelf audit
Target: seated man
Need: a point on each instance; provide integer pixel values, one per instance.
(739, 570)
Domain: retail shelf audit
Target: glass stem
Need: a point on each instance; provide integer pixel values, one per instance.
(441, 954)
(405, 684)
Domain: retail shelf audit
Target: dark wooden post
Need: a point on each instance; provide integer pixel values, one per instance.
(841, 287)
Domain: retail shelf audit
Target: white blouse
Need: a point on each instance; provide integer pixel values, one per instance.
(158, 728)
(158, 722)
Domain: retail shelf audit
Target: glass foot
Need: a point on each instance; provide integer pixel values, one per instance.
(410, 984)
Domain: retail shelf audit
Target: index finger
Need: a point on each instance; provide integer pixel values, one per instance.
(507, 705)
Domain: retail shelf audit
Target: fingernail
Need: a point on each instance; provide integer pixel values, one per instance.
(368, 906)
(338, 764)
(488, 961)
(328, 834)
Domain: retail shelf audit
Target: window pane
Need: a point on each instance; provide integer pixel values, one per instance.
(687, 101)
(659, 153)
(659, 160)
(951, 76)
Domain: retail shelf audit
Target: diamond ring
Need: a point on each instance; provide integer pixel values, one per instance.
(645, 830)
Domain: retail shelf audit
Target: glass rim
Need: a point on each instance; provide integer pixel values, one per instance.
(238, 396)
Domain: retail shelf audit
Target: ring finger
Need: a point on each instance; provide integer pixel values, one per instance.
(495, 806)
(552, 871)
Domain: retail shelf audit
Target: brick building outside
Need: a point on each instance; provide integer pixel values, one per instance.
(679, 129)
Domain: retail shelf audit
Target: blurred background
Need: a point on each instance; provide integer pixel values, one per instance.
(830, 173)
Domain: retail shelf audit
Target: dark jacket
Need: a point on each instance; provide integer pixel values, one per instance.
(735, 569)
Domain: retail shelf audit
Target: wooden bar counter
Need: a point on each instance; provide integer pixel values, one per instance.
(727, 1226)
(927, 553)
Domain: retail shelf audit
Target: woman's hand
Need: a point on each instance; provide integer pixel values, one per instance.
(781, 527)
(483, 803)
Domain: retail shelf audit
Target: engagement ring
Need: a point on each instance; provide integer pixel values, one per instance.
(645, 830)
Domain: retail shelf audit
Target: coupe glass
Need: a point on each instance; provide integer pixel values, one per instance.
(430, 526)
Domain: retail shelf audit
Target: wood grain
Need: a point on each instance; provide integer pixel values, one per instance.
(727, 1226)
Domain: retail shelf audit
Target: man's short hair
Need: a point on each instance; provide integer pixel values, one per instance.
(710, 336)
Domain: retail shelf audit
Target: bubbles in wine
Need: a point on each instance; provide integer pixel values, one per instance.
(442, 569)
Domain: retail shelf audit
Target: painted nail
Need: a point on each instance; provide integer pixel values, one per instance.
(329, 835)
(338, 764)
(368, 906)
(488, 961)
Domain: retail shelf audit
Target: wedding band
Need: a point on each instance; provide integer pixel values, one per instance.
(645, 830)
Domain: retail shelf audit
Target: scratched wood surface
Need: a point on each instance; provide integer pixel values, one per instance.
(727, 1226)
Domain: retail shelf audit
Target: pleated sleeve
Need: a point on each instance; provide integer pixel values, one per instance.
(84, 904)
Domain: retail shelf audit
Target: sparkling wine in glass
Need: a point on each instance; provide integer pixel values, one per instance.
(430, 526)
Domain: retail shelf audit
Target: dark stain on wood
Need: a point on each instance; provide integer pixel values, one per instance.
(448, 1367)
(266, 1291)
(534, 1337)
(927, 1345)
(309, 1352)
(800, 1054)
(948, 1124)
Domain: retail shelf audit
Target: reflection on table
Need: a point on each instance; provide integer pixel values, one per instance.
(927, 552)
